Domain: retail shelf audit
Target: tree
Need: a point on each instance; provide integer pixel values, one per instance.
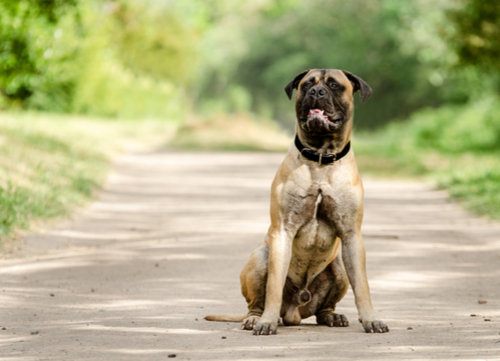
(27, 30)
(477, 37)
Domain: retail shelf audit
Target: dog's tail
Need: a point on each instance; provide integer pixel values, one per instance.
(226, 318)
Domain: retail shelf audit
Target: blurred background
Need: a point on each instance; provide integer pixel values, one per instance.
(80, 78)
(168, 59)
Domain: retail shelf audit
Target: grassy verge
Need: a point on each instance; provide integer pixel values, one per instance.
(50, 164)
(471, 178)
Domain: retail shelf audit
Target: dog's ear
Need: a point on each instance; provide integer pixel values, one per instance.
(294, 84)
(359, 84)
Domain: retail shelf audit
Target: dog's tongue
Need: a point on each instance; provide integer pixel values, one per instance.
(316, 111)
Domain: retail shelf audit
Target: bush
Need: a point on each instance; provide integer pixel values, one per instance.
(458, 146)
(473, 127)
(34, 59)
(114, 58)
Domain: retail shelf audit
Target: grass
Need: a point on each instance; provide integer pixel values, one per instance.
(50, 164)
(476, 186)
(471, 178)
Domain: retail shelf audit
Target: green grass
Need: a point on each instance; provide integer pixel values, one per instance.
(471, 178)
(477, 186)
(50, 164)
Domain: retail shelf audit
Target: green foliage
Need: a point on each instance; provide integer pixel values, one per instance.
(477, 32)
(379, 41)
(154, 43)
(152, 58)
(118, 59)
(457, 146)
(457, 129)
(452, 130)
(104, 85)
(29, 60)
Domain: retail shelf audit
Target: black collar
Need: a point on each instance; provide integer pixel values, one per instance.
(318, 157)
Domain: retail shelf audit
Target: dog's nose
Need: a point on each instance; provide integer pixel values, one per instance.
(317, 92)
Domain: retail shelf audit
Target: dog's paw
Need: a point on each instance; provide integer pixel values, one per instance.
(375, 327)
(250, 322)
(265, 328)
(332, 320)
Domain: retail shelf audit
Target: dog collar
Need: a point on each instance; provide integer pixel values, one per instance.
(318, 157)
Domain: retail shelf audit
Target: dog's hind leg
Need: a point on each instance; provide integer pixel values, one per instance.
(253, 280)
(339, 284)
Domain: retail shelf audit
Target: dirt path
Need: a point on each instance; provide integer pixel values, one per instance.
(132, 277)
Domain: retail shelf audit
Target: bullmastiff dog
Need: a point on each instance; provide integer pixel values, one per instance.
(314, 248)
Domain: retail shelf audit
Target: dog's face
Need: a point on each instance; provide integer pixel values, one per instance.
(324, 100)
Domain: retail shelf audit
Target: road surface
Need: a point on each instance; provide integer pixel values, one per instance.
(133, 274)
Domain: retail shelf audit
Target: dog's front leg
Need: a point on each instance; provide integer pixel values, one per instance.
(354, 257)
(280, 251)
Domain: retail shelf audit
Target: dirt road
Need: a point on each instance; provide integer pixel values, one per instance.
(133, 275)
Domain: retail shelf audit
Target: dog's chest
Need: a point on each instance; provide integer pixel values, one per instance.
(317, 207)
(318, 229)
(314, 215)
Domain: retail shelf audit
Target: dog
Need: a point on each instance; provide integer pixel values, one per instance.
(314, 248)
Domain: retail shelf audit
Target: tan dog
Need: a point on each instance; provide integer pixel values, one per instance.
(316, 205)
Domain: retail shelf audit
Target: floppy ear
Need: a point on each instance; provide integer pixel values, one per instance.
(359, 84)
(294, 84)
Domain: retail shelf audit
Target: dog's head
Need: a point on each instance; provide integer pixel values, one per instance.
(324, 99)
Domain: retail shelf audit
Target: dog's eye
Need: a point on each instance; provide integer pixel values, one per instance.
(306, 85)
(334, 85)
